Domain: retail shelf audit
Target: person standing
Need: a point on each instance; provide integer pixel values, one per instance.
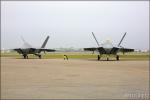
(65, 57)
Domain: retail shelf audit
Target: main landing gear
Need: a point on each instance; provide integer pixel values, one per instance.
(25, 56)
(39, 56)
(99, 57)
(107, 58)
(117, 57)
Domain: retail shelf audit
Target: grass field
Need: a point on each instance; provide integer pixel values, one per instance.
(78, 55)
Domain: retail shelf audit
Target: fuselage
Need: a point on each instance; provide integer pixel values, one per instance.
(107, 47)
(29, 51)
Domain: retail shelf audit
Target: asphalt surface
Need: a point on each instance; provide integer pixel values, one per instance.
(73, 79)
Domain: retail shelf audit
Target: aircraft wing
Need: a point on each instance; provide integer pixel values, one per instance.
(48, 50)
(18, 50)
(21, 50)
(126, 50)
(114, 50)
(101, 50)
(90, 49)
(32, 50)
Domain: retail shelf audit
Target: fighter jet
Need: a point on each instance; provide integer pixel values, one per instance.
(28, 49)
(108, 49)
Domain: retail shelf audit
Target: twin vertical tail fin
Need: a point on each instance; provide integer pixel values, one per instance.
(122, 39)
(26, 44)
(95, 39)
(45, 42)
(22, 39)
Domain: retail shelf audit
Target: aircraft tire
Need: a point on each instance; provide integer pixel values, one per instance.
(24, 56)
(107, 58)
(39, 56)
(117, 57)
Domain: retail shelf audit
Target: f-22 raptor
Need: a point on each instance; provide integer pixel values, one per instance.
(28, 49)
(108, 49)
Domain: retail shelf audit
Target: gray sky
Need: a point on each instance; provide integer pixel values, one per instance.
(70, 23)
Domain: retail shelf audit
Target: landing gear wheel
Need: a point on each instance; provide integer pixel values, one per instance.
(39, 56)
(98, 57)
(107, 58)
(117, 57)
(25, 56)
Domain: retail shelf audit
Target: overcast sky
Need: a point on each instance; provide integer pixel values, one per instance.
(70, 23)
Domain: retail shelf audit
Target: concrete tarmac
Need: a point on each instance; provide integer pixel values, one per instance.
(73, 79)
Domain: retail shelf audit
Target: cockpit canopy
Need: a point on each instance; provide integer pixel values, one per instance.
(107, 44)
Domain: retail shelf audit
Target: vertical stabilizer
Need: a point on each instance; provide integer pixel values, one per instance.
(26, 44)
(122, 38)
(95, 39)
(45, 42)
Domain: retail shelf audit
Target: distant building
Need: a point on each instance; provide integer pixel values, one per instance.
(3, 50)
(144, 50)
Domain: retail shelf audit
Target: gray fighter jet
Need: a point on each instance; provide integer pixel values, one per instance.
(28, 49)
(108, 49)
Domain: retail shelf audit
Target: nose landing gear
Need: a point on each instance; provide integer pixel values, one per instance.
(117, 57)
(39, 56)
(107, 58)
(25, 56)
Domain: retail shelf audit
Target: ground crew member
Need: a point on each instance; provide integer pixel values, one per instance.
(65, 57)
